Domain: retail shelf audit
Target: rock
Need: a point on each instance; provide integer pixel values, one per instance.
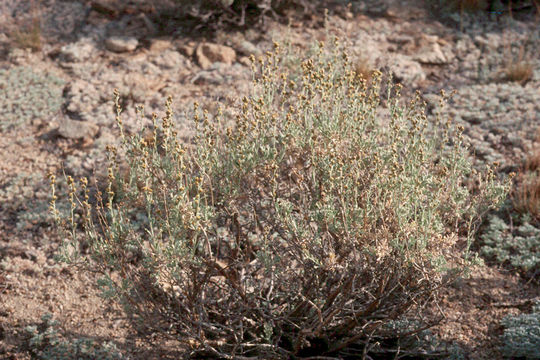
(138, 86)
(81, 98)
(19, 56)
(494, 40)
(78, 51)
(221, 73)
(159, 45)
(170, 59)
(96, 19)
(244, 60)
(431, 54)
(105, 7)
(400, 39)
(430, 51)
(73, 163)
(406, 70)
(208, 77)
(481, 41)
(369, 48)
(105, 138)
(208, 53)
(186, 50)
(74, 129)
(393, 12)
(247, 48)
(121, 44)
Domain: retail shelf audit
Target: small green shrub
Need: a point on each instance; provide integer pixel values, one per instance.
(303, 229)
(45, 343)
(518, 246)
(417, 344)
(512, 236)
(26, 95)
(521, 336)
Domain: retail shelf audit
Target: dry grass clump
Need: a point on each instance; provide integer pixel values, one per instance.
(28, 34)
(363, 69)
(304, 230)
(28, 37)
(527, 195)
(518, 69)
(520, 72)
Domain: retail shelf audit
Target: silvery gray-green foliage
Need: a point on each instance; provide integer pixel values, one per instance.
(44, 343)
(337, 215)
(518, 246)
(25, 197)
(424, 342)
(521, 336)
(26, 95)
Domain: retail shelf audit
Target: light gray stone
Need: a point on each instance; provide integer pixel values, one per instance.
(81, 98)
(208, 77)
(121, 44)
(247, 48)
(405, 69)
(431, 54)
(170, 59)
(74, 129)
(78, 51)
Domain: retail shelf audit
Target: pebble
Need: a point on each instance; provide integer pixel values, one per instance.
(121, 44)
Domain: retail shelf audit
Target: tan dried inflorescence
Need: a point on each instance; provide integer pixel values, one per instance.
(311, 224)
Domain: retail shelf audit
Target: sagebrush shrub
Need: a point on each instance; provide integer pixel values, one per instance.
(26, 95)
(518, 246)
(44, 343)
(512, 236)
(303, 229)
(521, 337)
